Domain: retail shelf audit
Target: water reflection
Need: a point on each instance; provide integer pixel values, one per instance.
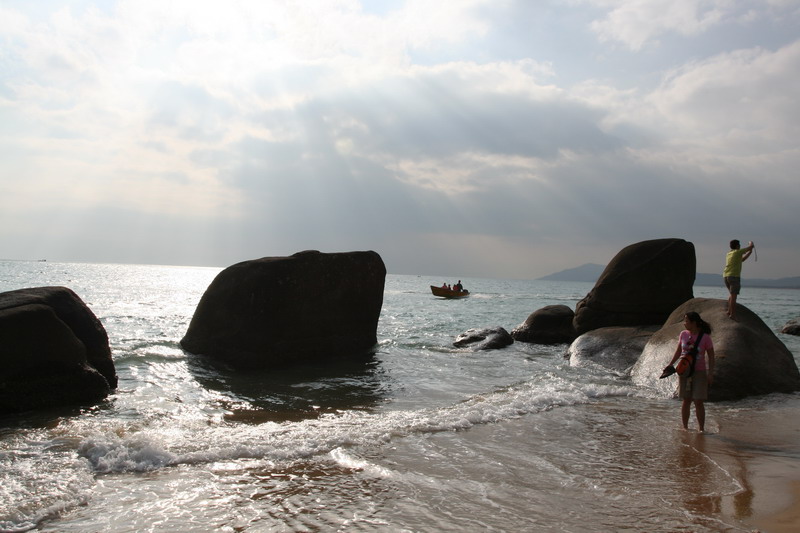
(293, 394)
(743, 500)
(698, 475)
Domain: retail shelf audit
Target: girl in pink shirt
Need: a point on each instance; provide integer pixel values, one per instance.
(695, 387)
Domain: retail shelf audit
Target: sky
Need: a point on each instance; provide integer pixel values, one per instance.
(457, 138)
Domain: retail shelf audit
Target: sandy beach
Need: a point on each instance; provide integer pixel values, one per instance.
(762, 448)
(785, 521)
(636, 462)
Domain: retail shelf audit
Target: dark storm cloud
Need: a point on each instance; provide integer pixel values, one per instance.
(409, 119)
(438, 116)
(293, 187)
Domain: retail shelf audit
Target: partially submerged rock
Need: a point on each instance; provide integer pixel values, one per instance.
(792, 327)
(283, 311)
(750, 359)
(551, 324)
(53, 351)
(615, 348)
(484, 339)
(641, 286)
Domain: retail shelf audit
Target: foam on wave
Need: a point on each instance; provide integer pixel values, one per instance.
(198, 441)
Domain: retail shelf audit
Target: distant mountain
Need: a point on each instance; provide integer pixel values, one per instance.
(781, 283)
(715, 280)
(710, 280)
(590, 272)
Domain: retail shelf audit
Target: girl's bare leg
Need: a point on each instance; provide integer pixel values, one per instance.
(685, 409)
(700, 411)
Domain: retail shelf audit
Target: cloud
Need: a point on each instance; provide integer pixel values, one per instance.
(745, 95)
(452, 136)
(728, 121)
(639, 22)
(189, 111)
(434, 150)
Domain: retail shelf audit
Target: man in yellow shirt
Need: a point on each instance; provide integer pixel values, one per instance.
(733, 272)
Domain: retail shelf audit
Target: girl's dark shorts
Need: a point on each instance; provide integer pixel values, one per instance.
(695, 387)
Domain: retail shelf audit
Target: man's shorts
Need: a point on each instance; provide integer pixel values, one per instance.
(734, 284)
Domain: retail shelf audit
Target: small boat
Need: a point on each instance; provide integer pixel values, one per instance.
(448, 293)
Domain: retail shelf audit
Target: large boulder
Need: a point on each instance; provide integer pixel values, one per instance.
(484, 339)
(615, 348)
(792, 327)
(53, 351)
(281, 311)
(641, 286)
(750, 359)
(551, 324)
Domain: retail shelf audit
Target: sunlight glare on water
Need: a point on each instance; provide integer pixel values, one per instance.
(425, 436)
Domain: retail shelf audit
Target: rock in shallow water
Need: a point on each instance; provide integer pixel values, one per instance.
(615, 348)
(283, 311)
(641, 286)
(750, 359)
(53, 351)
(551, 324)
(484, 339)
(792, 327)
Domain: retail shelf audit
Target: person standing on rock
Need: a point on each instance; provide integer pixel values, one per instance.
(733, 272)
(694, 388)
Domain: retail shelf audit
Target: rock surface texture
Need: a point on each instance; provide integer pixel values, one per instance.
(551, 324)
(792, 327)
(53, 351)
(750, 359)
(615, 348)
(484, 339)
(641, 286)
(282, 311)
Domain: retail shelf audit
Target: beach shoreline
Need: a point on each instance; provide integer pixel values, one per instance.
(742, 475)
(757, 443)
(785, 521)
(762, 446)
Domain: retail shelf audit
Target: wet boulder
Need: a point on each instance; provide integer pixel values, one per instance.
(284, 311)
(617, 349)
(641, 286)
(551, 324)
(53, 351)
(484, 339)
(792, 327)
(750, 359)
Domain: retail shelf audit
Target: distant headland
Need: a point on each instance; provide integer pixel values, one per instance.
(590, 272)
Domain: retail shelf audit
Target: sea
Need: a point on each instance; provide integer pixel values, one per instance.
(423, 436)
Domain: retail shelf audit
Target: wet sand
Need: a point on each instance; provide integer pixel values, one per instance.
(595, 467)
(786, 521)
(762, 449)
